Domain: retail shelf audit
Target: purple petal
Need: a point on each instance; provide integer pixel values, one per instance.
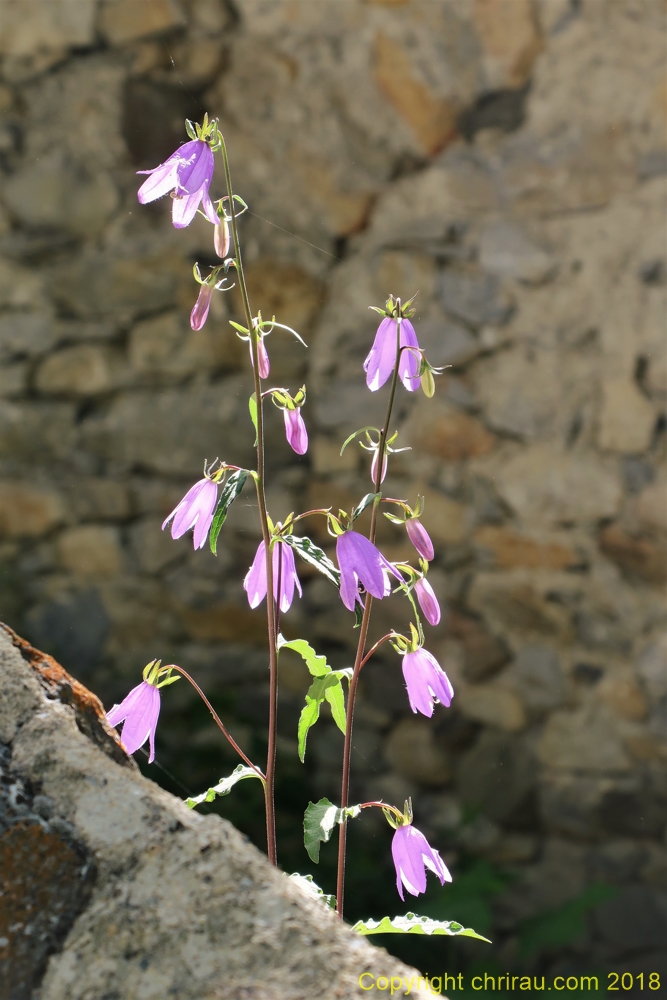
(139, 712)
(374, 466)
(197, 164)
(409, 364)
(184, 208)
(288, 577)
(195, 510)
(295, 431)
(419, 537)
(199, 313)
(359, 559)
(207, 205)
(254, 583)
(263, 359)
(407, 859)
(161, 181)
(428, 601)
(206, 504)
(382, 357)
(426, 682)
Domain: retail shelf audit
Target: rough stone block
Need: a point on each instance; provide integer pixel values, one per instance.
(29, 26)
(122, 21)
(627, 418)
(413, 753)
(91, 550)
(510, 550)
(83, 370)
(28, 510)
(62, 195)
(493, 705)
(583, 740)
(640, 557)
(510, 39)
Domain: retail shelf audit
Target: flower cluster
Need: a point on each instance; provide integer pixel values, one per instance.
(362, 574)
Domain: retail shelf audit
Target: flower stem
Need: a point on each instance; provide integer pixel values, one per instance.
(269, 787)
(359, 659)
(220, 724)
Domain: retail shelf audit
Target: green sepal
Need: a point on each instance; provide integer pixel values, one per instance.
(190, 129)
(319, 821)
(363, 504)
(310, 887)
(314, 555)
(239, 328)
(233, 486)
(224, 786)
(413, 924)
(354, 434)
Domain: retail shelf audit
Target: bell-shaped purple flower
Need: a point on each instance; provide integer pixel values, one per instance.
(426, 682)
(199, 313)
(412, 855)
(361, 562)
(195, 510)
(187, 174)
(428, 602)
(139, 714)
(419, 537)
(382, 357)
(255, 580)
(295, 430)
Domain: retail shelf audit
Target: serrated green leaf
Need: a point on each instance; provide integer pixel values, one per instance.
(319, 821)
(314, 555)
(316, 664)
(233, 486)
(334, 695)
(310, 887)
(412, 924)
(224, 786)
(363, 504)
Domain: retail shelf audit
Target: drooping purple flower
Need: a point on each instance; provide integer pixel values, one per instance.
(419, 537)
(360, 561)
(262, 357)
(187, 174)
(255, 580)
(199, 313)
(295, 430)
(426, 682)
(382, 357)
(139, 714)
(428, 602)
(196, 511)
(374, 466)
(412, 855)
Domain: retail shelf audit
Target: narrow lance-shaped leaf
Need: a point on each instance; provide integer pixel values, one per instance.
(252, 406)
(314, 555)
(363, 504)
(224, 786)
(233, 486)
(319, 821)
(413, 924)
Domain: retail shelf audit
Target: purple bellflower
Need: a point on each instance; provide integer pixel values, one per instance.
(295, 430)
(187, 174)
(139, 714)
(419, 537)
(412, 855)
(382, 358)
(428, 602)
(426, 682)
(199, 313)
(255, 580)
(361, 562)
(195, 510)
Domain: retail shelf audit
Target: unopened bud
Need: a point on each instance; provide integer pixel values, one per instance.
(221, 238)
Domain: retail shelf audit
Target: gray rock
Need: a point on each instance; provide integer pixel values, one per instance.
(506, 251)
(202, 898)
(25, 334)
(537, 678)
(497, 775)
(475, 298)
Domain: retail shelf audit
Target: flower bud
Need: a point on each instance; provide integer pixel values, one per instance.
(221, 240)
(428, 383)
(201, 307)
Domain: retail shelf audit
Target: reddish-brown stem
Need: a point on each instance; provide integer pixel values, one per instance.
(269, 786)
(218, 721)
(373, 649)
(361, 645)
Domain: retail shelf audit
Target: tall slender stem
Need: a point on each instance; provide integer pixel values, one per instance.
(359, 659)
(269, 787)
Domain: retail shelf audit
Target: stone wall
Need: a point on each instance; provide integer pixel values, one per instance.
(504, 158)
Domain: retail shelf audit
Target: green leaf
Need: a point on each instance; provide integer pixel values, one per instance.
(358, 614)
(252, 406)
(412, 924)
(233, 486)
(363, 504)
(224, 786)
(317, 665)
(334, 695)
(328, 687)
(306, 883)
(313, 555)
(319, 821)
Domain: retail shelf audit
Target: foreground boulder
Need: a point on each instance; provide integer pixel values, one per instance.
(111, 888)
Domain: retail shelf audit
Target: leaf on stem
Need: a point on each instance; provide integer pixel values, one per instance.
(252, 406)
(326, 686)
(319, 821)
(363, 504)
(317, 665)
(313, 555)
(310, 887)
(232, 488)
(413, 924)
(224, 786)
